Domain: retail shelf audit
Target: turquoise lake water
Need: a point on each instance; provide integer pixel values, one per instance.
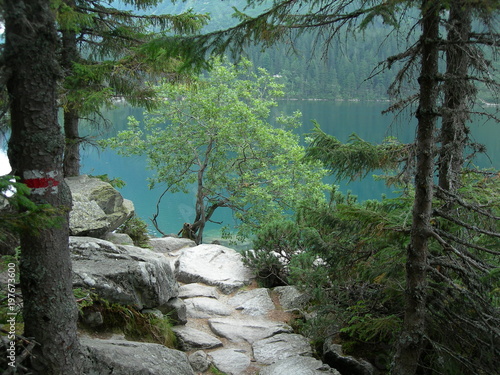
(337, 118)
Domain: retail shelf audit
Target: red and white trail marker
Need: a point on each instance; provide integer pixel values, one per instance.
(41, 182)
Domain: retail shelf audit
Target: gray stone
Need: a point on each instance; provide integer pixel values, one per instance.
(253, 302)
(203, 307)
(119, 238)
(121, 357)
(249, 329)
(298, 366)
(122, 274)
(213, 265)
(198, 290)
(98, 208)
(199, 360)
(87, 218)
(284, 345)
(291, 298)
(191, 339)
(346, 364)
(230, 361)
(169, 244)
(176, 310)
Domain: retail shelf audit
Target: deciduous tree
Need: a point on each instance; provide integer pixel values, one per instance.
(213, 133)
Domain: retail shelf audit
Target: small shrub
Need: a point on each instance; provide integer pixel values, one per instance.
(137, 229)
(276, 244)
(269, 269)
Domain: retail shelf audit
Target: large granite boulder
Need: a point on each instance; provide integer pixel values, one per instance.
(122, 274)
(98, 208)
(213, 265)
(121, 357)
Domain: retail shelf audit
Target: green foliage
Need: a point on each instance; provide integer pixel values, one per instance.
(137, 229)
(366, 327)
(350, 257)
(355, 159)
(214, 132)
(19, 214)
(107, 63)
(215, 371)
(269, 268)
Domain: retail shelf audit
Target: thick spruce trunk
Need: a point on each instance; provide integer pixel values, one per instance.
(412, 339)
(35, 152)
(458, 94)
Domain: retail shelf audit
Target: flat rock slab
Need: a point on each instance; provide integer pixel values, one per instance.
(198, 290)
(255, 302)
(192, 339)
(204, 307)
(298, 366)
(213, 265)
(230, 361)
(170, 244)
(121, 357)
(249, 329)
(284, 345)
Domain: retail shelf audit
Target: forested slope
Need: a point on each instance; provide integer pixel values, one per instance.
(341, 72)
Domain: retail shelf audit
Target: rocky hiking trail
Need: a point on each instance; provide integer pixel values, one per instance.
(225, 319)
(238, 327)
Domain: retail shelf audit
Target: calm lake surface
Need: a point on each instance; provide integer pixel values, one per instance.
(337, 118)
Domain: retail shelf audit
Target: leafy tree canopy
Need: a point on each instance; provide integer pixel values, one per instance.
(215, 132)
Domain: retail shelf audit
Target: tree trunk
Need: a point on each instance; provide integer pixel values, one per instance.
(412, 338)
(458, 92)
(72, 149)
(69, 55)
(35, 153)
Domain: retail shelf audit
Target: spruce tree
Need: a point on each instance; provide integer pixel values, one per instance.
(101, 63)
(36, 152)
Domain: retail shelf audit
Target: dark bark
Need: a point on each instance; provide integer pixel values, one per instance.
(458, 91)
(35, 153)
(69, 55)
(412, 339)
(72, 149)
